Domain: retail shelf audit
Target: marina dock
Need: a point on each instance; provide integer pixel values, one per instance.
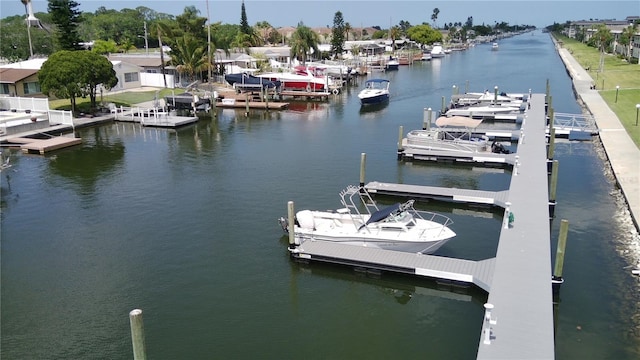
(518, 321)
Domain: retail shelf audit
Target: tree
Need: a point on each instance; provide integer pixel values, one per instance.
(469, 23)
(69, 74)
(337, 35)
(189, 56)
(66, 16)
(347, 29)
(244, 23)
(303, 40)
(434, 17)
(626, 39)
(424, 34)
(394, 34)
(404, 27)
(104, 47)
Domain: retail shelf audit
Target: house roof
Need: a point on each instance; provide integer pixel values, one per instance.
(12, 76)
(33, 64)
(141, 60)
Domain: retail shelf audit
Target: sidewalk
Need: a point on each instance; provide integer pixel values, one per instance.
(621, 151)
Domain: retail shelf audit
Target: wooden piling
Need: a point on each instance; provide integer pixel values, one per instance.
(137, 334)
(546, 98)
(246, 102)
(552, 142)
(443, 107)
(363, 161)
(557, 279)
(554, 181)
(291, 223)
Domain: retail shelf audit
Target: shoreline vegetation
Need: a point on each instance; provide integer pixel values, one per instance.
(616, 72)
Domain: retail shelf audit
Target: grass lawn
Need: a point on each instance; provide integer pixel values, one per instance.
(127, 98)
(616, 72)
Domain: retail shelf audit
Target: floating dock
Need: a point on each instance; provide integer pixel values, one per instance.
(518, 321)
(42, 146)
(152, 117)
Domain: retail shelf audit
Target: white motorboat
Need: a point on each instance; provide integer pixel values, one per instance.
(485, 110)
(494, 46)
(453, 133)
(437, 52)
(376, 91)
(399, 227)
(486, 97)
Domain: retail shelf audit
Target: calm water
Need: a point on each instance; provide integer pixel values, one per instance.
(182, 224)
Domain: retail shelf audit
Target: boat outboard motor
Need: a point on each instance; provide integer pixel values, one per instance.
(498, 148)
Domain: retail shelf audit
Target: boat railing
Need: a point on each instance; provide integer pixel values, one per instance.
(442, 220)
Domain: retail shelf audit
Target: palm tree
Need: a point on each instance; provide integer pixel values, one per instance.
(626, 39)
(347, 28)
(303, 40)
(394, 34)
(189, 57)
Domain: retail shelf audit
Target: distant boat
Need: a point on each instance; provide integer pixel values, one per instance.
(375, 91)
(494, 46)
(392, 64)
(437, 52)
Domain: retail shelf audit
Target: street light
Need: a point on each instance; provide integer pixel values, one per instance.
(637, 109)
(617, 88)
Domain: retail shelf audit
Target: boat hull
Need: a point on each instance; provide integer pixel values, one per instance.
(374, 99)
(426, 237)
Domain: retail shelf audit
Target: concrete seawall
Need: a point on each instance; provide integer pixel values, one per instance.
(622, 153)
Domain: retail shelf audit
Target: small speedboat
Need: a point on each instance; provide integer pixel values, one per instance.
(360, 222)
(375, 91)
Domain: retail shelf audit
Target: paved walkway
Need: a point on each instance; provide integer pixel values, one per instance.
(621, 151)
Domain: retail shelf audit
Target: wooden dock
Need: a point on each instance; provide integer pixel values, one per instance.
(266, 105)
(41, 146)
(518, 321)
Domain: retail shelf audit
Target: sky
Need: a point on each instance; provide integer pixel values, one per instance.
(367, 13)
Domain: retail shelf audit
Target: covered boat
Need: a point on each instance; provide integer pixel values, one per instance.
(398, 227)
(454, 133)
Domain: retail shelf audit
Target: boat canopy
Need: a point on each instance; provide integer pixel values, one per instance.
(382, 214)
(458, 121)
(377, 81)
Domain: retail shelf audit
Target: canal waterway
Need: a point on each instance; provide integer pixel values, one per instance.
(183, 225)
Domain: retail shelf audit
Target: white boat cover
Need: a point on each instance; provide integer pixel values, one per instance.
(458, 121)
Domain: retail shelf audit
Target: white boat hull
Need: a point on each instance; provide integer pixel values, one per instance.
(426, 237)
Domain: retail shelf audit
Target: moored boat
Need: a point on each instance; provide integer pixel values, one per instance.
(398, 227)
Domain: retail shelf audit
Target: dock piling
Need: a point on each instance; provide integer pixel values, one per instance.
(137, 334)
(246, 102)
(552, 142)
(291, 221)
(557, 279)
(363, 161)
(553, 186)
(400, 135)
(443, 107)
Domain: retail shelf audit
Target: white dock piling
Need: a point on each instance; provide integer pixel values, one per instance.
(363, 161)
(137, 334)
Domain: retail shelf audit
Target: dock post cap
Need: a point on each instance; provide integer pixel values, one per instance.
(488, 306)
(135, 312)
